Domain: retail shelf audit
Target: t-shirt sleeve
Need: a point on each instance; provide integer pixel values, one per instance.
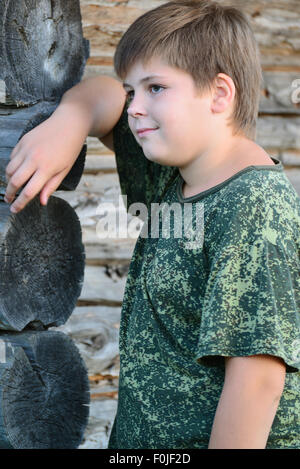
(141, 180)
(252, 298)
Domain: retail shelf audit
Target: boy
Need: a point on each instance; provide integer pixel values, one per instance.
(209, 329)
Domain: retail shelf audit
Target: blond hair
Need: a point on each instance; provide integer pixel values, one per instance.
(203, 38)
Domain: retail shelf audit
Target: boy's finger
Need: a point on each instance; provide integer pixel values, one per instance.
(17, 180)
(14, 152)
(51, 186)
(32, 188)
(13, 165)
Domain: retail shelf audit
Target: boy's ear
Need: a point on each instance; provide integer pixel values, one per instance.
(223, 93)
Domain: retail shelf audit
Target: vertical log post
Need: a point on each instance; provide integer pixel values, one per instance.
(44, 393)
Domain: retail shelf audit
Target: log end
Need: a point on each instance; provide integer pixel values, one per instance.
(45, 392)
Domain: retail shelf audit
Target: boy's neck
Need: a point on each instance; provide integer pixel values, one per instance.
(220, 162)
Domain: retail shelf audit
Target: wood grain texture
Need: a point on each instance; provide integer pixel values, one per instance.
(44, 392)
(95, 331)
(42, 50)
(42, 264)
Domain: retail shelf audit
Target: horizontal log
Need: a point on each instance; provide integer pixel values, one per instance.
(105, 395)
(97, 378)
(95, 331)
(101, 288)
(104, 16)
(111, 2)
(44, 392)
(290, 158)
(279, 132)
(95, 67)
(280, 89)
(255, 5)
(102, 414)
(112, 251)
(97, 164)
(294, 177)
(42, 264)
(92, 315)
(276, 27)
(95, 146)
(101, 185)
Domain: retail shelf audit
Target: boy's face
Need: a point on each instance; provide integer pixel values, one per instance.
(178, 120)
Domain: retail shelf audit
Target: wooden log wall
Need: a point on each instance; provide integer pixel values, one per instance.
(94, 324)
(44, 387)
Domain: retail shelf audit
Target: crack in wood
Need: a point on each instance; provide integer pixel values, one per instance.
(56, 21)
(22, 32)
(52, 49)
(52, 7)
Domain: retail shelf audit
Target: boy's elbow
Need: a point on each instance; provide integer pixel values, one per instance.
(108, 109)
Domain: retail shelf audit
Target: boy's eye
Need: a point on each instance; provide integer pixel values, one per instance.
(155, 88)
(129, 96)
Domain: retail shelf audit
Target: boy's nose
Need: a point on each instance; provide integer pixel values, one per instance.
(136, 108)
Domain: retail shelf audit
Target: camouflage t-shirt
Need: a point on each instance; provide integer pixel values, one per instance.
(228, 286)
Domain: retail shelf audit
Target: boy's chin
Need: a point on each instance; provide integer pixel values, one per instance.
(160, 159)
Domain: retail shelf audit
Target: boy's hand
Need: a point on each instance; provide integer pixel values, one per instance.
(43, 158)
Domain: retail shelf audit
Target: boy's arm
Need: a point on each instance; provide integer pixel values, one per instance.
(252, 389)
(45, 155)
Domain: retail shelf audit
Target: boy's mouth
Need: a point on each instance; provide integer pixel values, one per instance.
(145, 131)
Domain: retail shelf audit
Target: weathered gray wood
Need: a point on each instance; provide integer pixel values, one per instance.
(91, 183)
(278, 132)
(294, 177)
(101, 288)
(111, 246)
(94, 145)
(44, 391)
(38, 71)
(290, 158)
(42, 50)
(278, 92)
(44, 394)
(111, 251)
(42, 264)
(95, 331)
(99, 164)
(102, 414)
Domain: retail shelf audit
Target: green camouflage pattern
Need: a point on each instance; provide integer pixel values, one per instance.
(234, 292)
